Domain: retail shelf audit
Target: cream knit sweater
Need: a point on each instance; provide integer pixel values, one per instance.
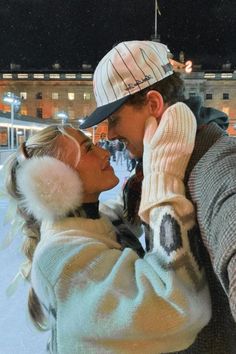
(104, 300)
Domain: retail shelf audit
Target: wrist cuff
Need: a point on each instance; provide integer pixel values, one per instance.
(162, 188)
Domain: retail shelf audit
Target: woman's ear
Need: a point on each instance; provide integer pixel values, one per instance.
(156, 103)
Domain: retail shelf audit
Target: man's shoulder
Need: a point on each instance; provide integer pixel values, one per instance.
(219, 150)
(207, 137)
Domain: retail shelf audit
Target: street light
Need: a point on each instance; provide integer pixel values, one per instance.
(81, 120)
(63, 116)
(14, 102)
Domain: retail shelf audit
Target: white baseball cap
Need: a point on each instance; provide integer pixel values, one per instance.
(127, 68)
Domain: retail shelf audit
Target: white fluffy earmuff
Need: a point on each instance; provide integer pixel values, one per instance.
(50, 189)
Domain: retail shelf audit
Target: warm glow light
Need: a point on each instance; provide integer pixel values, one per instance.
(28, 127)
(188, 66)
(177, 66)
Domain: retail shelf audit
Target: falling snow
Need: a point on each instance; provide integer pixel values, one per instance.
(75, 31)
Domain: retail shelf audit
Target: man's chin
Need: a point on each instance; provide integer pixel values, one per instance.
(135, 154)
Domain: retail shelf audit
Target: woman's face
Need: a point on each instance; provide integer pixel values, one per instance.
(93, 167)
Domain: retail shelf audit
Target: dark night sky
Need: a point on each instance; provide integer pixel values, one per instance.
(36, 33)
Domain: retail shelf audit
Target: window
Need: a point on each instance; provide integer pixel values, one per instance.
(209, 76)
(38, 76)
(192, 93)
(86, 76)
(3, 136)
(7, 76)
(23, 95)
(22, 76)
(70, 76)
(225, 109)
(225, 96)
(55, 95)
(71, 96)
(87, 96)
(208, 96)
(226, 75)
(39, 113)
(39, 96)
(54, 76)
(24, 111)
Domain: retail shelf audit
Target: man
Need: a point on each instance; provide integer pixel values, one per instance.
(133, 82)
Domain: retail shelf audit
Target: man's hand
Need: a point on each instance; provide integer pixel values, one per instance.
(167, 150)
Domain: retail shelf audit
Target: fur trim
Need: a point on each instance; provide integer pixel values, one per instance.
(50, 189)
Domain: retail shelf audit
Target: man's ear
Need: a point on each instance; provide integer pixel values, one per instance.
(156, 103)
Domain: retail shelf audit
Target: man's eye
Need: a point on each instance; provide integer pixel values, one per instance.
(112, 120)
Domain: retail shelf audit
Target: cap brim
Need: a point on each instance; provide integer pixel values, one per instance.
(102, 113)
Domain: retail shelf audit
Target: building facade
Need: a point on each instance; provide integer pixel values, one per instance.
(217, 89)
(46, 94)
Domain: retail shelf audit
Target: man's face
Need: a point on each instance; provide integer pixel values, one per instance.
(127, 124)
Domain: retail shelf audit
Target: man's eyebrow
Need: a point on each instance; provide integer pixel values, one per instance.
(114, 116)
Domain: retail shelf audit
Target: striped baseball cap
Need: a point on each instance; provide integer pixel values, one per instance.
(127, 68)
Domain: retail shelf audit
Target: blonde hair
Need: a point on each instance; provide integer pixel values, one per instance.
(45, 142)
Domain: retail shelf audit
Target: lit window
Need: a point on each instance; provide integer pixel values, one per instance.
(23, 95)
(55, 95)
(86, 76)
(209, 76)
(3, 136)
(225, 96)
(24, 111)
(87, 96)
(208, 96)
(7, 76)
(70, 76)
(38, 76)
(22, 76)
(54, 76)
(226, 110)
(71, 96)
(226, 75)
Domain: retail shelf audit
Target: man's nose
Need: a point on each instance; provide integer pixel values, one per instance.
(111, 133)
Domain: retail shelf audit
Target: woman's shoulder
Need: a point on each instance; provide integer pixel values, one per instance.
(71, 237)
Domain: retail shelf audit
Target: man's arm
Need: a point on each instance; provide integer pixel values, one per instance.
(212, 186)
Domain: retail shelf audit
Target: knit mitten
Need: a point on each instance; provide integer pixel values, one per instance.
(167, 150)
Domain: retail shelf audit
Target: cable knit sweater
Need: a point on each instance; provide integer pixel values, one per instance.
(101, 299)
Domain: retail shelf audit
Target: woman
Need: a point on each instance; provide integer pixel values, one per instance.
(89, 287)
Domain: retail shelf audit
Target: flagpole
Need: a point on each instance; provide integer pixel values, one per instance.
(157, 10)
(155, 32)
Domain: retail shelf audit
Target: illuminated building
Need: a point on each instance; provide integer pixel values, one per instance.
(46, 93)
